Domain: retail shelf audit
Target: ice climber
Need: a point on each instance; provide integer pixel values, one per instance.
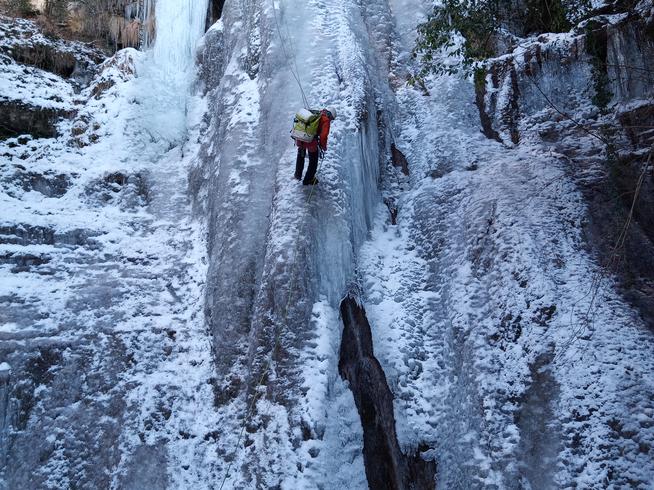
(310, 132)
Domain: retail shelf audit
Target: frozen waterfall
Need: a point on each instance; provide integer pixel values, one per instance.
(180, 23)
(167, 72)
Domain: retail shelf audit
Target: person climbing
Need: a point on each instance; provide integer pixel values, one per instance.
(313, 139)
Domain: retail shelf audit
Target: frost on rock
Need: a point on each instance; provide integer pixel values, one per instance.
(501, 335)
(102, 271)
(23, 41)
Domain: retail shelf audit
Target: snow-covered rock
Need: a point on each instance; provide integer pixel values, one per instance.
(22, 40)
(102, 272)
(587, 95)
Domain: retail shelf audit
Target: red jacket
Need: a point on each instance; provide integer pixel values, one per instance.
(323, 134)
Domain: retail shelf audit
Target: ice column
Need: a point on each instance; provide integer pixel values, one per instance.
(180, 23)
(168, 70)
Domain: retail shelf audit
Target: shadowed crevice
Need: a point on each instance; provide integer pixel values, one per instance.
(386, 466)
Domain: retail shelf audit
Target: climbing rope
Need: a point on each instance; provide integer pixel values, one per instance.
(256, 395)
(294, 60)
(291, 61)
(289, 55)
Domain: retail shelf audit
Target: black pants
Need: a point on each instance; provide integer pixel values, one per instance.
(299, 165)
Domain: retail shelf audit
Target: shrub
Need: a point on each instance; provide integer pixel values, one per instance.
(469, 30)
(17, 8)
(437, 37)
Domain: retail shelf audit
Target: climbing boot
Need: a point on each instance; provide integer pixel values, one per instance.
(298, 176)
(313, 181)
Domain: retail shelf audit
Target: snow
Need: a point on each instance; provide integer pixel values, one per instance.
(188, 271)
(289, 262)
(19, 33)
(121, 293)
(460, 293)
(34, 87)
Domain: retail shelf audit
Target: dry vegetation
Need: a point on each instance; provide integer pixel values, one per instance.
(112, 24)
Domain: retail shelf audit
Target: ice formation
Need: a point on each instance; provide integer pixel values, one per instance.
(171, 296)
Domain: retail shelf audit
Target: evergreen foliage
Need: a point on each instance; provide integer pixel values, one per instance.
(546, 16)
(596, 47)
(475, 21)
(470, 29)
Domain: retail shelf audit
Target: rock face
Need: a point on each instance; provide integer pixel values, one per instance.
(386, 466)
(588, 96)
(55, 365)
(110, 24)
(48, 375)
(23, 41)
(215, 11)
(399, 160)
(171, 302)
(40, 79)
(19, 119)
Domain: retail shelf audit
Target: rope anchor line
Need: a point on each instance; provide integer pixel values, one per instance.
(289, 55)
(256, 392)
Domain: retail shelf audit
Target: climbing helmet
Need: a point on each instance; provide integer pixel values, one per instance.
(331, 112)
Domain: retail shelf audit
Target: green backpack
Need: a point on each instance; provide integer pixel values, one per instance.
(305, 125)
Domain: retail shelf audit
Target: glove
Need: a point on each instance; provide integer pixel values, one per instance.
(321, 152)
